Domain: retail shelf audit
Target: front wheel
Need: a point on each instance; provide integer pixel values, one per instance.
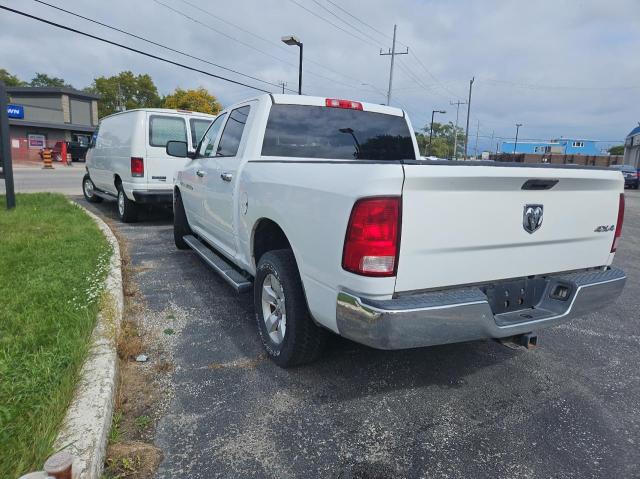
(286, 329)
(88, 190)
(127, 209)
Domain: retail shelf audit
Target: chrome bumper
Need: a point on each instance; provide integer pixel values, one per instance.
(457, 315)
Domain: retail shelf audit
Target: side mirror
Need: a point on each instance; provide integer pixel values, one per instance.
(177, 148)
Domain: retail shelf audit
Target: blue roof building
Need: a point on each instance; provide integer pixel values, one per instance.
(632, 148)
(562, 146)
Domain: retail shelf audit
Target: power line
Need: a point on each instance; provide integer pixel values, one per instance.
(533, 86)
(275, 44)
(241, 42)
(362, 21)
(154, 43)
(344, 21)
(330, 22)
(135, 50)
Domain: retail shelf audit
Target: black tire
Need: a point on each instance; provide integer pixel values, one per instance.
(87, 190)
(181, 226)
(127, 209)
(303, 339)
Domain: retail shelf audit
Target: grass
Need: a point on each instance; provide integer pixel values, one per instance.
(53, 260)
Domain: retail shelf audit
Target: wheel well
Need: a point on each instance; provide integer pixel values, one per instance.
(268, 236)
(117, 181)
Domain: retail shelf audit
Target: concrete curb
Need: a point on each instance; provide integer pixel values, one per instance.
(84, 432)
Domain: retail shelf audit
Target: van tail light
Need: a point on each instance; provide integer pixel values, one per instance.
(347, 104)
(137, 167)
(372, 242)
(618, 233)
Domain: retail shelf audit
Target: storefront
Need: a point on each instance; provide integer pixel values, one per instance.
(45, 117)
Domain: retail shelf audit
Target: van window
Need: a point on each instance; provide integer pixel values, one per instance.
(232, 134)
(209, 138)
(166, 128)
(306, 131)
(198, 127)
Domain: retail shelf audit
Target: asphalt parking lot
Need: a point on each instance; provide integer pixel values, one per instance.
(569, 409)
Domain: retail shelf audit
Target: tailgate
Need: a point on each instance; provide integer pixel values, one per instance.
(463, 224)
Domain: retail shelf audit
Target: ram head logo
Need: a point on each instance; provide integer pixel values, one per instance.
(532, 218)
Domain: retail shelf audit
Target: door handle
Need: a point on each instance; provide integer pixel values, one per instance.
(226, 176)
(200, 173)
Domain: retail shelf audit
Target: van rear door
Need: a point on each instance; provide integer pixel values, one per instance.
(159, 167)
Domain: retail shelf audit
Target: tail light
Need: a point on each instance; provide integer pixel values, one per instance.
(372, 242)
(347, 104)
(618, 233)
(137, 167)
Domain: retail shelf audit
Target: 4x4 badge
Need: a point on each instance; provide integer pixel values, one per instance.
(532, 218)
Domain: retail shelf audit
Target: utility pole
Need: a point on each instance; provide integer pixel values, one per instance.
(392, 51)
(477, 134)
(515, 145)
(466, 135)
(283, 84)
(5, 150)
(455, 132)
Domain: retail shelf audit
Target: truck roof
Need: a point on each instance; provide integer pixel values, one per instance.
(287, 99)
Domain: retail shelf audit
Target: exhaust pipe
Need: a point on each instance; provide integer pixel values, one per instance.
(525, 340)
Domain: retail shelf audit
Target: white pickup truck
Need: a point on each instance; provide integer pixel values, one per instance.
(326, 210)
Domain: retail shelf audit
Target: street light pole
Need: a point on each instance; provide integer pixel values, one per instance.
(294, 41)
(433, 112)
(515, 145)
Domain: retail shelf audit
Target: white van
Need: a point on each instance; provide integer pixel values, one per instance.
(127, 159)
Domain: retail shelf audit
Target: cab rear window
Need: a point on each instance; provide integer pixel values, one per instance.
(305, 131)
(166, 128)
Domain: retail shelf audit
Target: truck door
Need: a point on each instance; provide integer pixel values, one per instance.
(193, 176)
(221, 180)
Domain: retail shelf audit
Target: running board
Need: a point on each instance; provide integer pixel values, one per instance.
(219, 265)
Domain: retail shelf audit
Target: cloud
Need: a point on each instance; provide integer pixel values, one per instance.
(558, 67)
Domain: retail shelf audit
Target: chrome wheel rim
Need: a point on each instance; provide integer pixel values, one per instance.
(274, 313)
(121, 203)
(88, 187)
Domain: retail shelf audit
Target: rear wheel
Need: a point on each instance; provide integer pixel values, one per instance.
(181, 226)
(127, 209)
(286, 329)
(88, 190)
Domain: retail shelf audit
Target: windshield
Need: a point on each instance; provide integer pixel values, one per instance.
(305, 131)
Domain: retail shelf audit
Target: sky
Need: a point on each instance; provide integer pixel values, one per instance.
(559, 67)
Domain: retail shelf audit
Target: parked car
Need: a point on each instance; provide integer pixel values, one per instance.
(631, 175)
(127, 161)
(325, 210)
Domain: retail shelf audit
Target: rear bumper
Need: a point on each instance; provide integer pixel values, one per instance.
(457, 315)
(153, 196)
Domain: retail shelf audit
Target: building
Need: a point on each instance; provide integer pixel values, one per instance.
(560, 146)
(40, 117)
(632, 148)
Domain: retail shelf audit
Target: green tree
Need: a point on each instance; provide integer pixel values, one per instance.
(9, 79)
(44, 80)
(124, 91)
(442, 141)
(198, 99)
(616, 150)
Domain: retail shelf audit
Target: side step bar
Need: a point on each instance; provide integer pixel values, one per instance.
(104, 194)
(219, 265)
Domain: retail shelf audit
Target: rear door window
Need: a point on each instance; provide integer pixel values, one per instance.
(198, 127)
(232, 134)
(166, 128)
(335, 133)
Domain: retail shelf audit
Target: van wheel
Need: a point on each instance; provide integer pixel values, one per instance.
(181, 226)
(286, 329)
(127, 209)
(88, 190)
